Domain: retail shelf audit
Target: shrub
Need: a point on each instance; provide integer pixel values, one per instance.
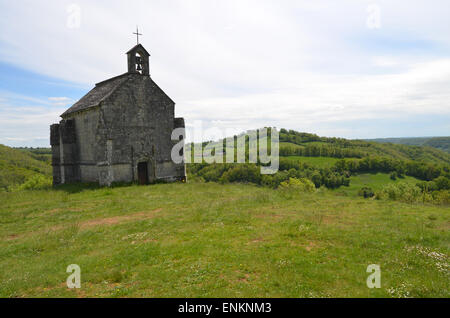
(36, 182)
(316, 178)
(242, 173)
(195, 178)
(442, 183)
(441, 197)
(366, 192)
(403, 191)
(393, 175)
(302, 185)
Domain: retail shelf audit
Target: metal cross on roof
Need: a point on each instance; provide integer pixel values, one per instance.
(137, 35)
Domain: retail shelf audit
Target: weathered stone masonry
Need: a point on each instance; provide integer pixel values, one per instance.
(118, 132)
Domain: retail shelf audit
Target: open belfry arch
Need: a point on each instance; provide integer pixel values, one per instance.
(138, 60)
(120, 131)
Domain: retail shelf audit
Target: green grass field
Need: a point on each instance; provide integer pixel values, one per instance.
(211, 240)
(376, 181)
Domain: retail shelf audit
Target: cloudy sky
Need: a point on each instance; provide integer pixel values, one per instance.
(348, 68)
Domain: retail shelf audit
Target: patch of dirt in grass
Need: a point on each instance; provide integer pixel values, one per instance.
(328, 219)
(95, 222)
(310, 246)
(242, 277)
(273, 217)
(245, 278)
(120, 219)
(333, 219)
(17, 204)
(443, 226)
(144, 241)
(266, 216)
(40, 291)
(75, 209)
(12, 237)
(307, 246)
(256, 240)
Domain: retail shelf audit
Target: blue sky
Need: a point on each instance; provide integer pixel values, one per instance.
(28, 83)
(25, 95)
(350, 68)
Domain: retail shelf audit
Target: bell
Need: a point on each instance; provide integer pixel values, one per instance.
(139, 67)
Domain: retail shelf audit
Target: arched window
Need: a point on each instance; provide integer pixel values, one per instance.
(138, 63)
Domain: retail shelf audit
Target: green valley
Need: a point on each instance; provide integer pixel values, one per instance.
(310, 230)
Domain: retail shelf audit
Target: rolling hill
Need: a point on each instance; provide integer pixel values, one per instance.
(327, 162)
(230, 232)
(314, 145)
(441, 143)
(18, 165)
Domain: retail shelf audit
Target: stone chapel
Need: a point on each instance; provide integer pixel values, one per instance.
(120, 131)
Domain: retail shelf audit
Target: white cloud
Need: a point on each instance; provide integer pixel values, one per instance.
(25, 120)
(385, 61)
(60, 101)
(299, 64)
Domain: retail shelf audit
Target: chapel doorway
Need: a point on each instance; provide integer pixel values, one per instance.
(143, 172)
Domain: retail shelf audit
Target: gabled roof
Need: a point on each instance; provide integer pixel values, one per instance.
(103, 90)
(99, 93)
(138, 46)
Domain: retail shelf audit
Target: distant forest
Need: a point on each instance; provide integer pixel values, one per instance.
(442, 143)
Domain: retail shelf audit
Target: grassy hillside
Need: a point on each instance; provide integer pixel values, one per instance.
(376, 181)
(212, 240)
(441, 143)
(16, 166)
(21, 164)
(276, 236)
(334, 162)
(41, 154)
(316, 146)
(320, 162)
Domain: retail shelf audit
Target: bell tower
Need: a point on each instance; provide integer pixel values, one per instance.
(138, 60)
